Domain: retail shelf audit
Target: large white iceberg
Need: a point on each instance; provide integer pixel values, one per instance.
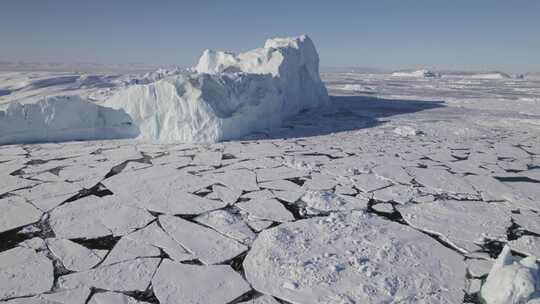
(511, 281)
(228, 95)
(225, 96)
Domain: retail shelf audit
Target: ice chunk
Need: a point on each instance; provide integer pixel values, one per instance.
(112, 298)
(462, 224)
(269, 209)
(527, 244)
(356, 258)
(16, 212)
(23, 272)
(154, 235)
(318, 202)
(92, 217)
(134, 275)
(206, 244)
(228, 95)
(511, 281)
(126, 249)
(72, 255)
(228, 224)
(215, 284)
(441, 181)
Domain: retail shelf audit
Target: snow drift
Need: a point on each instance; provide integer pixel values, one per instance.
(61, 119)
(228, 95)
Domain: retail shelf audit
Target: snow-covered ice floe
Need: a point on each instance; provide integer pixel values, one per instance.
(225, 96)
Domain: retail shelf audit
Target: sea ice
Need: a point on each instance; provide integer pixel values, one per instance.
(356, 258)
(23, 272)
(206, 244)
(16, 212)
(214, 284)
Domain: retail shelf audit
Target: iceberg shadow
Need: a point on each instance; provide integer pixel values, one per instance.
(346, 113)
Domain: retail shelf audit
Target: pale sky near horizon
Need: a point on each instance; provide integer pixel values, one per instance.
(458, 34)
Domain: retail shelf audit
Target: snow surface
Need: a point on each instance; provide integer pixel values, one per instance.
(454, 194)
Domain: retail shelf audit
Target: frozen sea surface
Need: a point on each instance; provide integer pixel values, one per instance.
(405, 190)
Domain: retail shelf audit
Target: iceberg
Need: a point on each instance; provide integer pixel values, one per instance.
(228, 95)
(224, 97)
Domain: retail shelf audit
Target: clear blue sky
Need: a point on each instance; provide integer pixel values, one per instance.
(470, 34)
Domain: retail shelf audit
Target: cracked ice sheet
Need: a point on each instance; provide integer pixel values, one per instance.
(241, 179)
(228, 224)
(369, 182)
(464, 224)
(264, 299)
(47, 196)
(206, 244)
(271, 174)
(214, 284)
(320, 202)
(397, 193)
(93, 217)
(528, 245)
(9, 183)
(165, 192)
(269, 209)
(112, 298)
(442, 181)
(73, 256)
(146, 242)
(15, 212)
(23, 272)
(134, 275)
(356, 258)
(528, 220)
(128, 250)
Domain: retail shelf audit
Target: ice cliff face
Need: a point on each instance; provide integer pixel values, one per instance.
(228, 95)
(62, 119)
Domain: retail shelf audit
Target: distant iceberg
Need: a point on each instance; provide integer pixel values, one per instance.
(417, 74)
(493, 75)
